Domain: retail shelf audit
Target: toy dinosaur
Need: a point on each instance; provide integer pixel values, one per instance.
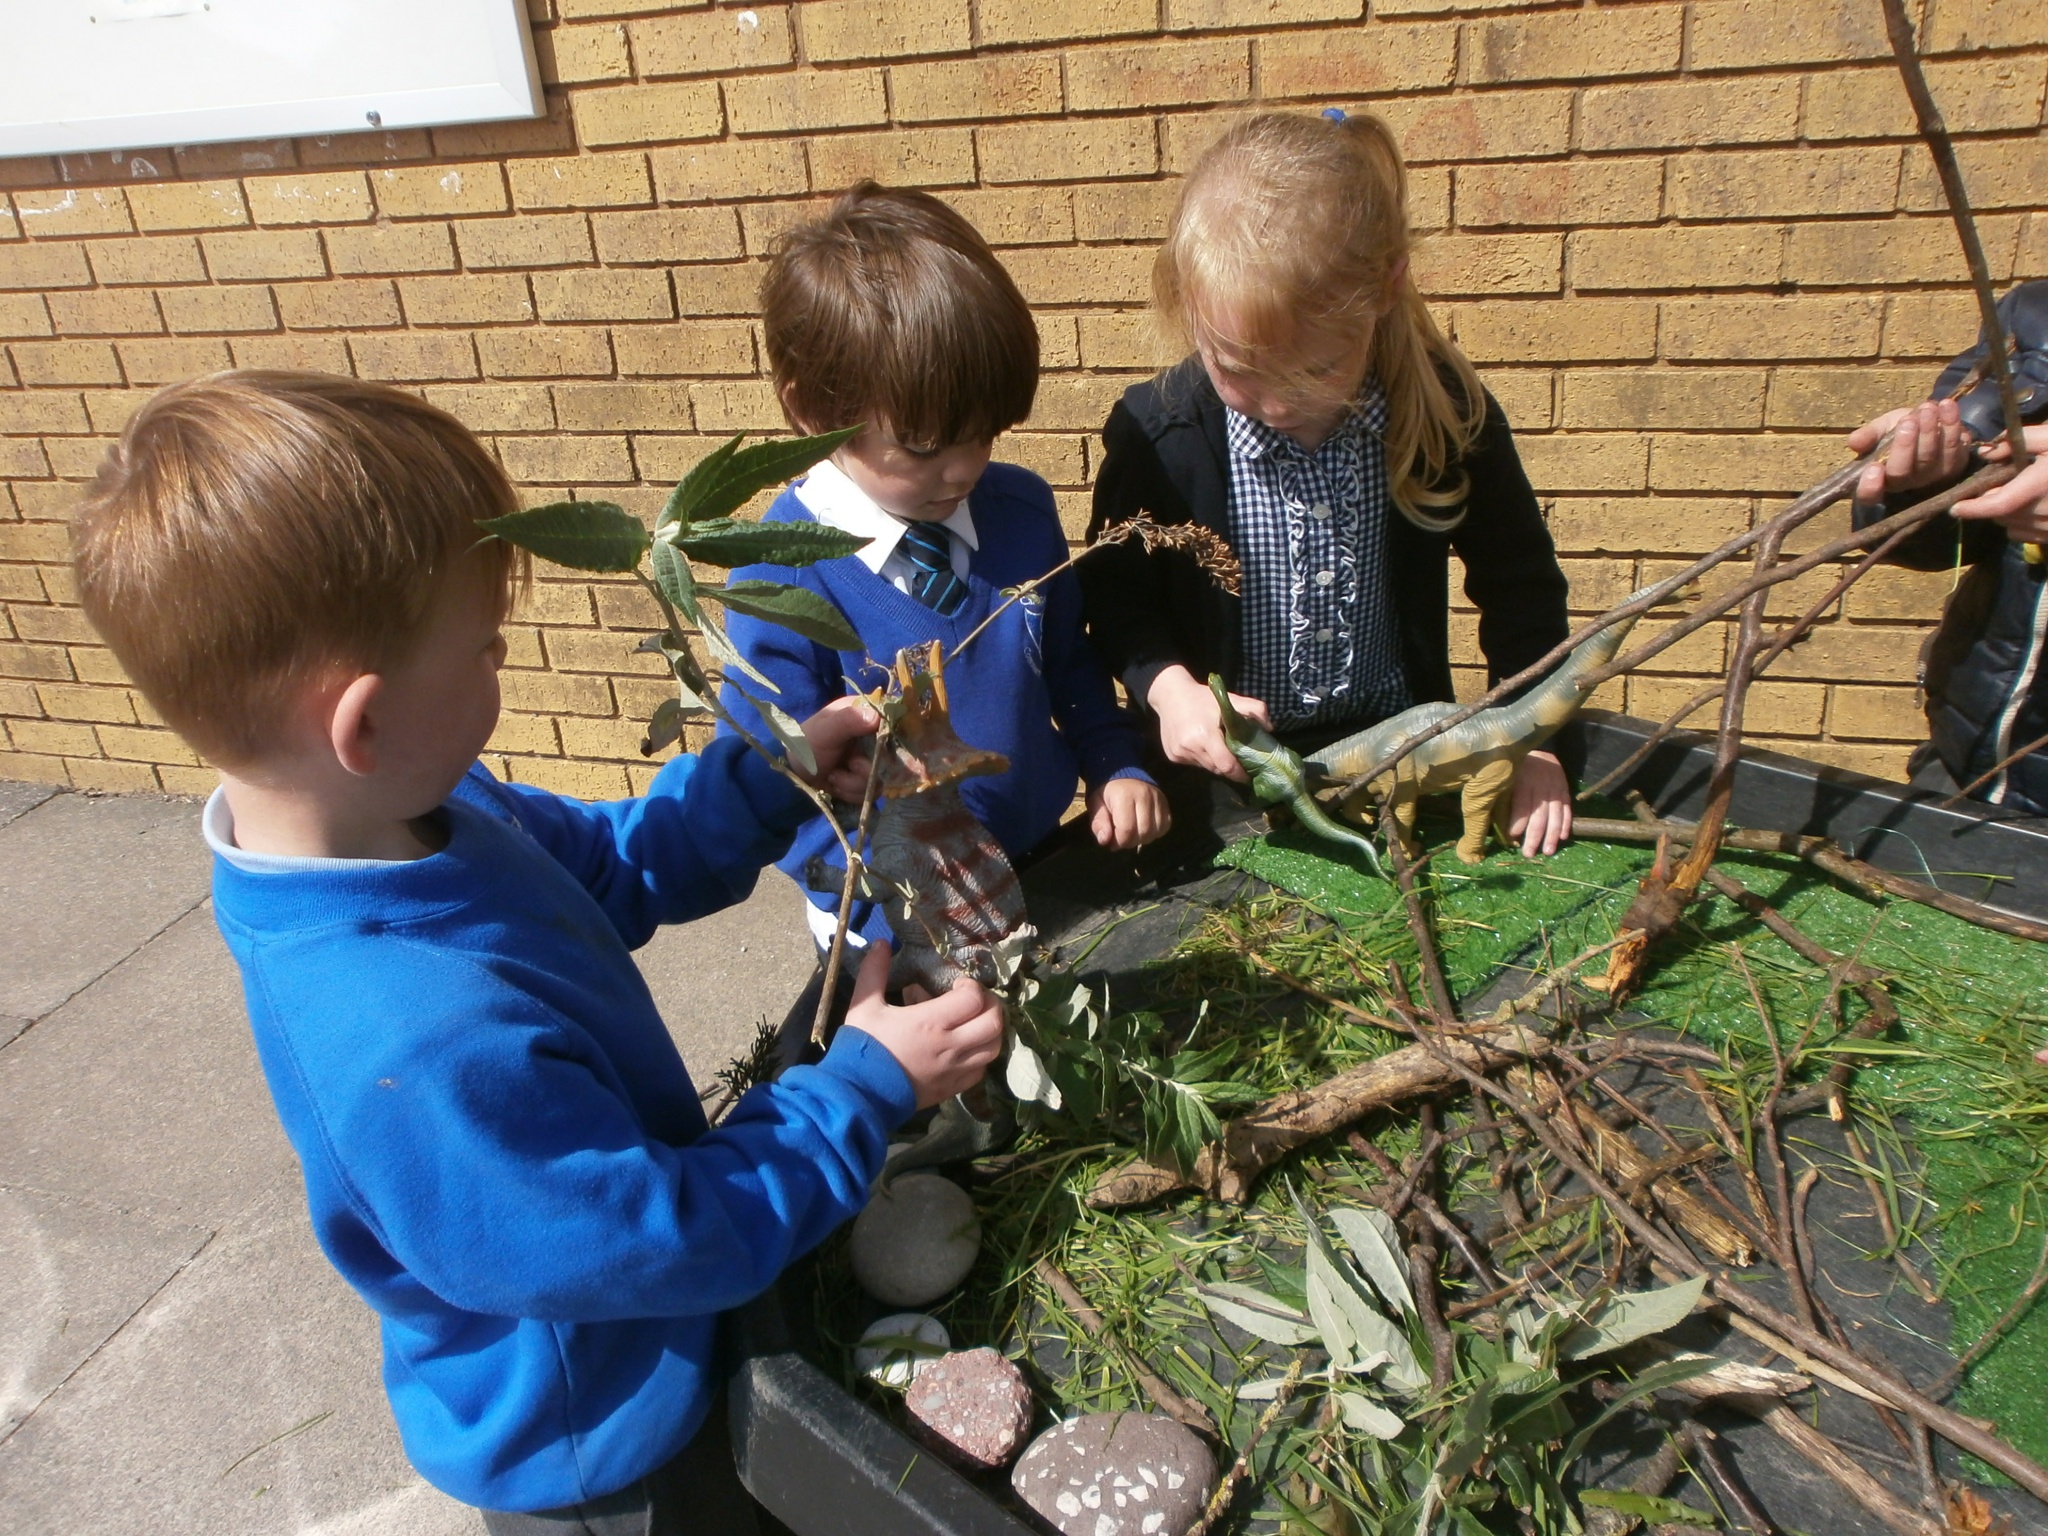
(1477, 758)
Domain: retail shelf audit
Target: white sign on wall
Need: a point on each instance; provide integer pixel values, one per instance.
(78, 75)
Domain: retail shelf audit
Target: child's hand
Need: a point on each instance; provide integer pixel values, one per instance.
(944, 1044)
(1542, 806)
(2021, 504)
(832, 731)
(1190, 725)
(1127, 813)
(1930, 445)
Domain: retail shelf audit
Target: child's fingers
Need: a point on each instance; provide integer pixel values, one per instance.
(1865, 437)
(870, 981)
(1102, 824)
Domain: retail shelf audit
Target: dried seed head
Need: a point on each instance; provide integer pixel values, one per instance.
(1214, 556)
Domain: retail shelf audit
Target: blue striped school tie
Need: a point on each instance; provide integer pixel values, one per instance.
(929, 549)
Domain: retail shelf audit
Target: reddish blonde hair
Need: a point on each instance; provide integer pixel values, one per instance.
(252, 527)
(1290, 224)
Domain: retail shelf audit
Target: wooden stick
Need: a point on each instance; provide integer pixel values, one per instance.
(1226, 1490)
(855, 858)
(1168, 1401)
(1866, 1490)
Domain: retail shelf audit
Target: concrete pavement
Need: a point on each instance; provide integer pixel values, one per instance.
(176, 1356)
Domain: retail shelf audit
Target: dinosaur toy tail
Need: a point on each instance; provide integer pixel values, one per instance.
(1278, 777)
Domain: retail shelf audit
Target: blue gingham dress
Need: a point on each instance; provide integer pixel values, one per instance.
(1310, 530)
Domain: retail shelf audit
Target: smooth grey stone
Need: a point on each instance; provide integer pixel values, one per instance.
(897, 1365)
(71, 1273)
(915, 1241)
(84, 881)
(16, 798)
(144, 1090)
(245, 1398)
(972, 1407)
(1117, 1474)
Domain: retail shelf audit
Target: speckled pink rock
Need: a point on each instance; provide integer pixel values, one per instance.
(1117, 1474)
(972, 1407)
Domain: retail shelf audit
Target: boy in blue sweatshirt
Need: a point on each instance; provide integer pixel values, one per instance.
(891, 314)
(502, 1151)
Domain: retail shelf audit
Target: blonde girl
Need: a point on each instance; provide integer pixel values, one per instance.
(1326, 429)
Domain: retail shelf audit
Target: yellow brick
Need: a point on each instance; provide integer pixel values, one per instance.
(310, 197)
(414, 355)
(599, 650)
(1133, 210)
(1999, 173)
(1742, 329)
(1036, 21)
(883, 29)
(544, 352)
(421, 191)
(104, 312)
(1885, 252)
(1758, 110)
(79, 211)
(111, 408)
(551, 693)
(525, 241)
(648, 114)
(667, 235)
(1766, 464)
(1597, 585)
(195, 782)
(524, 733)
(70, 701)
(603, 295)
(1690, 399)
(581, 781)
(1841, 398)
(1356, 61)
(682, 351)
(1636, 260)
(1494, 125)
(201, 311)
(614, 180)
(1076, 403)
(111, 778)
(1888, 592)
(1986, 24)
(1574, 45)
(958, 90)
(34, 541)
(188, 205)
(52, 738)
(73, 458)
(1931, 325)
(580, 55)
(1567, 192)
(622, 407)
(10, 227)
(93, 664)
(1792, 183)
(763, 224)
(29, 414)
(1602, 461)
(473, 298)
(1524, 396)
(711, 172)
(66, 362)
(1069, 151)
(555, 602)
(807, 100)
(363, 303)
(1157, 74)
(748, 406)
(662, 457)
(2031, 259)
(1108, 274)
(1632, 524)
(137, 744)
(1057, 460)
(257, 254)
(1567, 331)
(496, 407)
(21, 314)
(24, 458)
(1447, 265)
(320, 354)
(35, 661)
(382, 248)
(720, 42)
(1747, 34)
(1854, 653)
(1199, 15)
(1018, 215)
(1125, 341)
(40, 266)
(612, 739)
(1974, 96)
(576, 10)
(917, 157)
(566, 460)
(147, 259)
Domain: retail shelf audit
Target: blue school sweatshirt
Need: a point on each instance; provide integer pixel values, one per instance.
(1030, 687)
(502, 1151)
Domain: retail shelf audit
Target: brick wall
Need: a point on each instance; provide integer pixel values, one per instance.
(1687, 244)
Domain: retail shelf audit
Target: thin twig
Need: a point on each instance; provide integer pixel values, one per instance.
(2022, 1303)
(855, 861)
(1226, 1490)
(1168, 1401)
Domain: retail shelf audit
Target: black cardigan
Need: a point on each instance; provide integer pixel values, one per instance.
(1167, 454)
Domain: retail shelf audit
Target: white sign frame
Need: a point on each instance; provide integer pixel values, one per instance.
(88, 75)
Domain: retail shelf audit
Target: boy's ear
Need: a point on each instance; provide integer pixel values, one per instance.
(787, 395)
(351, 723)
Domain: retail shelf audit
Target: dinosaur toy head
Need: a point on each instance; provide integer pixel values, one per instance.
(924, 753)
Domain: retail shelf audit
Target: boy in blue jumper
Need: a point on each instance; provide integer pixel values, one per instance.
(890, 313)
(502, 1151)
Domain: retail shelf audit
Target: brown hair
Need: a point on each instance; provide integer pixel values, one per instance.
(250, 527)
(1292, 223)
(891, 308)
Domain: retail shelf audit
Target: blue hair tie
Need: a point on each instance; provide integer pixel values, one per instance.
(1335, 114)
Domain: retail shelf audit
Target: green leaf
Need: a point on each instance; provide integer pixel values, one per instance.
(1368, 1332)
(1371, 1236)
(1655, 1379)
(583, 535)
(725, 480)
(796, 608)
(789, 734)
(672, 576)
(726, 543)
(729, 656)
(1368, 1417)
(1652, 1511)
(663, 729)
(710, 467)
(1256, 1313)
(1630, 1316)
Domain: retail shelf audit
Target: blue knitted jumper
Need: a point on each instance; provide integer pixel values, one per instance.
(1030, 687)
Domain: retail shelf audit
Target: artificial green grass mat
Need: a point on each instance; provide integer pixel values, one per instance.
(1960, 1071)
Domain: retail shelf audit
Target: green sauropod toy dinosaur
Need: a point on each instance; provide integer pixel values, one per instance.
(1477, 758)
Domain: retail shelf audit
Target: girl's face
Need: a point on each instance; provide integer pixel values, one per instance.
(1303, 386)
